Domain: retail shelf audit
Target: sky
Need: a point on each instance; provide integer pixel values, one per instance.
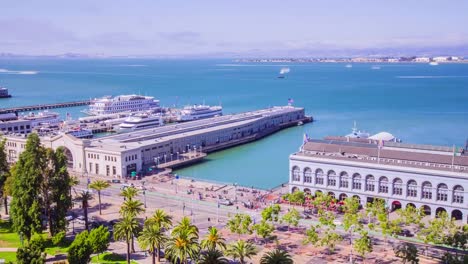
(249, 27)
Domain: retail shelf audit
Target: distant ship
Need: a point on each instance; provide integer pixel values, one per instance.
(355, 133)
(376, 67)
(195, 112)
(282, 72)
(4, 92)
(349, 66)
(433, 63)
(121, 103)
(140, 121)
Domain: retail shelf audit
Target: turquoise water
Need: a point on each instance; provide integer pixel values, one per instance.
(416, 102)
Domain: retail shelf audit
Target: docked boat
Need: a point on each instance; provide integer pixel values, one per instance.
(196, 112)
(355, 133)
(283, 72)
(42, 118)
(80, 133)
(140, 121)
(4, 92)
(122, 103)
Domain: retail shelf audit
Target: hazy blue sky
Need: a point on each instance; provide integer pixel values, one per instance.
(115, 27)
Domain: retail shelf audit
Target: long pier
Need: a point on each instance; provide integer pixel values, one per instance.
(43, 106)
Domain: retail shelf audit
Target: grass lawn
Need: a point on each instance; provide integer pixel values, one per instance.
(8, 256)
(8, 239)
(109, 258)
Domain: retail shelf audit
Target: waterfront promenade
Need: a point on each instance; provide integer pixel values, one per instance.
(181, 197)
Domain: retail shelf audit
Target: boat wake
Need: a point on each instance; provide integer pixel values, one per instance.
(5, 71)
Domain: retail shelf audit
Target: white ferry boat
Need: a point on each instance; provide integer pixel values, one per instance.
(122, 103)
(43, 118)
(195, 112)
(141, 121)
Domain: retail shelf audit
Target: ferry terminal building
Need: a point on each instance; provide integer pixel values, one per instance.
(122, 155)
(434, 178)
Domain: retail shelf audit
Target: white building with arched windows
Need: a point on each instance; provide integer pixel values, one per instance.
(434, 178)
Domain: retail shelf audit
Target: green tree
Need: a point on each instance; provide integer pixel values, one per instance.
(85, 197)
(126, 230)
(276, 256)
(271, 213)
(57, 199)
(407, 252)
(80, 250)
(292, 217)
(30, 254)
(183, 244)
(363, 245)
(152, 238)
(411, 215)
(212, 256)
(437, 230)
(184, 225)
(297, 197)
(351, 220)
(329, 237)
(312, 236)
(99, 185)
(129, 193)
(163, 221)
(4, 174)
(240, 224)
(131, 208)
(264, 229)
(26, 205)
(213, 240)
(241, 250)
(99, 239)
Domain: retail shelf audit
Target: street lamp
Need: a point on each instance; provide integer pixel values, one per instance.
(144, 192)
(235, 192)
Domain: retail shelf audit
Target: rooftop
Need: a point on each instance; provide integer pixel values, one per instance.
(391, 153)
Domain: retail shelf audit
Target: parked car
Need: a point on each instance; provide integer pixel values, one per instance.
(80, 219)
(226, 202)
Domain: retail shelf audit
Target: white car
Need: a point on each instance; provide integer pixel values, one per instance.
(80, 219)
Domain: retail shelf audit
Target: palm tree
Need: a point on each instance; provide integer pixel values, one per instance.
(185, 225)
(276, 256)
(213, 256)
(85, 197)
(129, 193)
(241, 250)
(161, 218)
(152, 238)
(99, 185)
(131, 208)
(125, 230)
(183, 246)
(213, 240)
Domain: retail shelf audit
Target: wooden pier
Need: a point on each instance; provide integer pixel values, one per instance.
(43, 106)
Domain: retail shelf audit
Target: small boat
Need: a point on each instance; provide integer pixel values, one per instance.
(300, 123)
(433, 63)
(349, 66)
(282, 72)
(140, 121)
(4, 93)
(375, 67)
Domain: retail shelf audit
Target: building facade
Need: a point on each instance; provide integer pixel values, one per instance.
(428, 177)
(123, 154)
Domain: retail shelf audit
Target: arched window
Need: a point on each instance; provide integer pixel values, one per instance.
(357, 181)
(331, 177)
(412, 188)
(397, 186)
(319, 177)
(307, 175)
(370, 183)
(458, 194)
(383, 184)
(427, 190)
(442, 192)
(344, 180)
(296, 174)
